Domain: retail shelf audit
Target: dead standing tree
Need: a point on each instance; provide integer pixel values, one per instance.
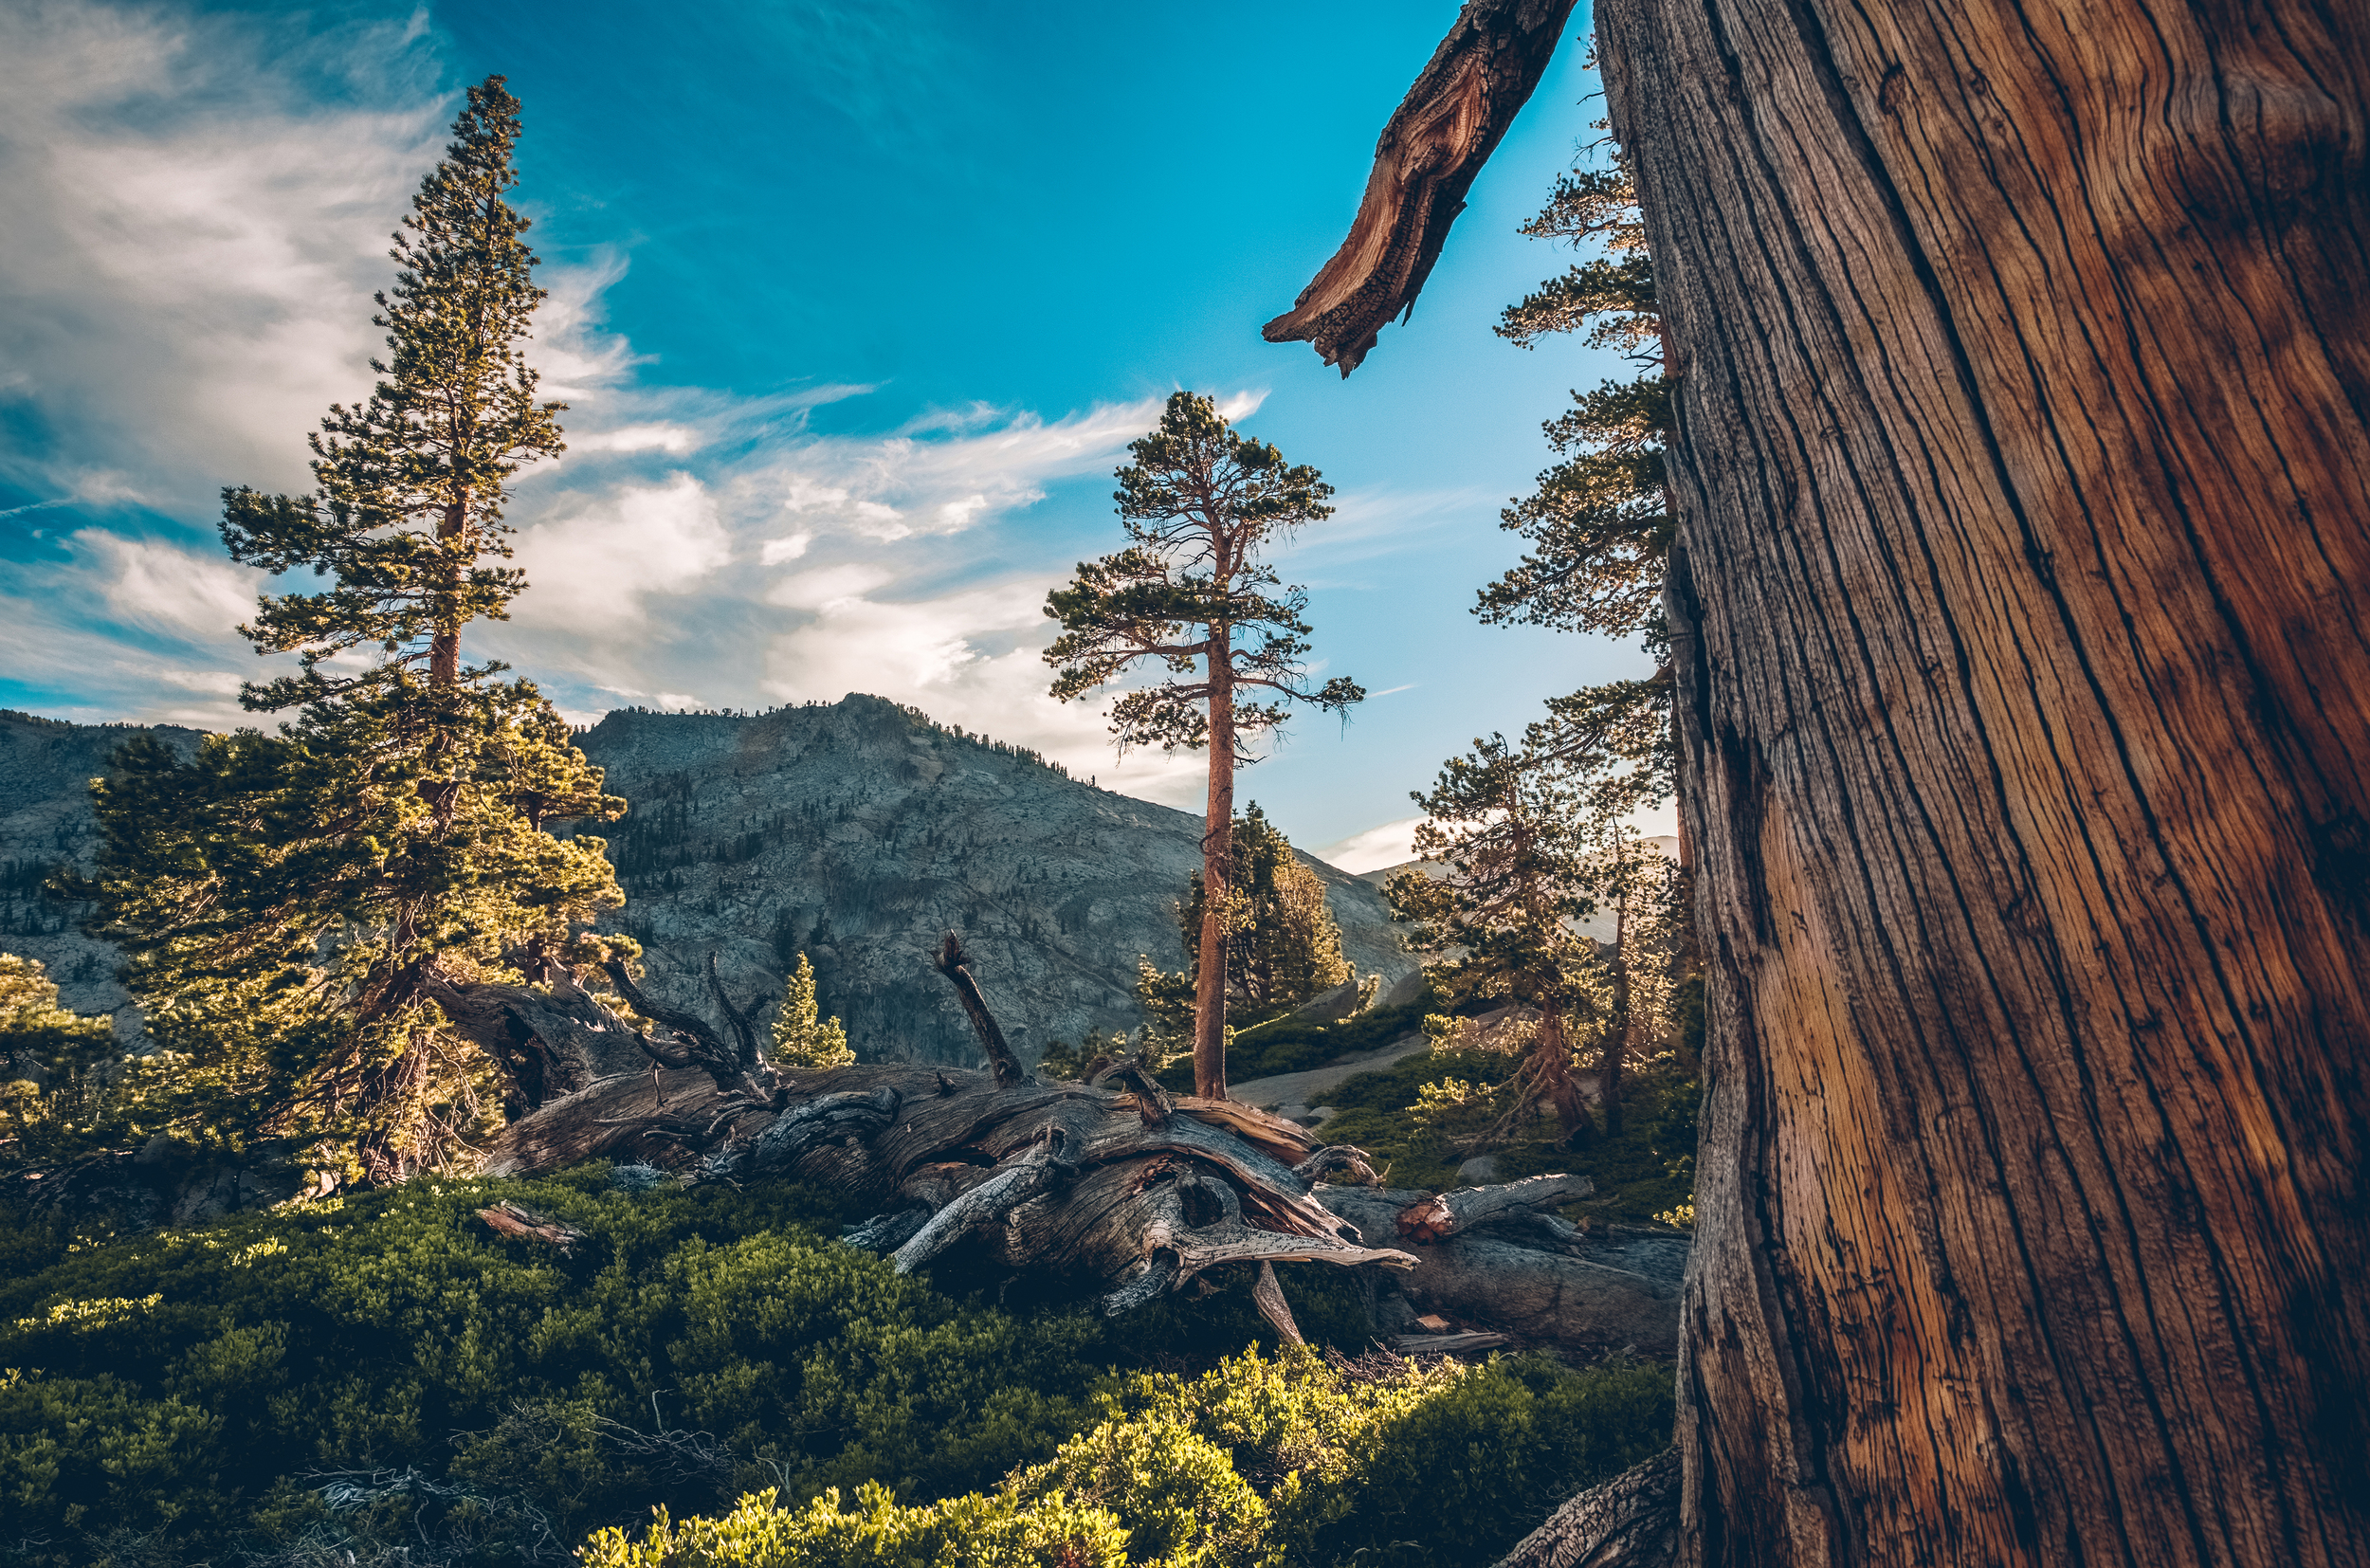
(2018, 603)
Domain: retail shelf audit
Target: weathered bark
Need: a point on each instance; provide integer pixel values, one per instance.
(1444, 131)
(550, 1043)
(1058, 1177)
(1469, 1208)
(1218, 869)
(954, 964)
(2022, 613)
(2021, 608)
(1505, 1264)
(1551, 1076)
(1616, 1047)
(1630, 1522)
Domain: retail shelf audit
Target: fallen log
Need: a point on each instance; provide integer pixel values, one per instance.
(966, 1172)
(1466, 1208)
(523, 1223)
(1116, 1186)
(1503, 1263)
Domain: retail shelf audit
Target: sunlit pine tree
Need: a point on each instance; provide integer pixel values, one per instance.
(1192, 596)
(286, 899)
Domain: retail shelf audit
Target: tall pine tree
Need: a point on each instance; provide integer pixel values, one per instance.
(287, 899)
(1190, 593)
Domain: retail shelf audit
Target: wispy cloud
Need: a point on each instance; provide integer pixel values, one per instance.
(192, 237)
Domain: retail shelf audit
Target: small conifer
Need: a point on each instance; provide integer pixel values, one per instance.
(801, 1037)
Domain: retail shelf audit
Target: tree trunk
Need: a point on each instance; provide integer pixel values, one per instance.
(2021, 604)
(1553, 1075)
(1616, 1026)
(444, 649)
(1217, 878)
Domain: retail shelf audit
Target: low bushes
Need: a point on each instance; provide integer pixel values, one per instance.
(204, 1388)
(381, 1376)
(1260, 1463)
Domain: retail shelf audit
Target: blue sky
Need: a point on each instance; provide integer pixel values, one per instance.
(856, 306)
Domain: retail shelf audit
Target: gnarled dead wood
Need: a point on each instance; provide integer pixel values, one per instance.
(1511, 1267)
(1445, 130)
(522, 1223)
(551, 1042)
(954, 964)
(1049, 1177)
(1463, 1208)
(1630, 1522)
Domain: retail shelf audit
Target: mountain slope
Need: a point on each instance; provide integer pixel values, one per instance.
(861, 830)
(45, 769)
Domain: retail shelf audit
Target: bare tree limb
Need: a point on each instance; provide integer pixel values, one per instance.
(1445, 130)
(954, 964)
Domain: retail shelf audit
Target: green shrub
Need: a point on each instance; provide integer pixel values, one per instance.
(996, 1530)
(201, 1385)
(1284, 1463)
(382, 1376)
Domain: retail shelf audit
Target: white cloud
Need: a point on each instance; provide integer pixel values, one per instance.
(160, 587)
(1391, 843)
(674, 439)
(594, 570)
(191, 246)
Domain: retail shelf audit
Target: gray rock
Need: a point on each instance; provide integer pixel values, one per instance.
(1480, 1171)
(1402, 991)
(1331, 1007)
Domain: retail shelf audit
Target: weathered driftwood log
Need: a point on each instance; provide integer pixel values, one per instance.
(523, 1223)
(1630, 1522)
(1506, 1264)
(1439, 1217)
(1117, 1185)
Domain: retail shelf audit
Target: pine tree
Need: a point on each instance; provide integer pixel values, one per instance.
(1201, 504)
(801, 1037)
(286, 898)
(1600, 519)
(1525, 840)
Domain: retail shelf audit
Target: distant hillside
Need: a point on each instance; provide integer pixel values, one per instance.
(861, 830)
(46, 770)
(858, 831)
